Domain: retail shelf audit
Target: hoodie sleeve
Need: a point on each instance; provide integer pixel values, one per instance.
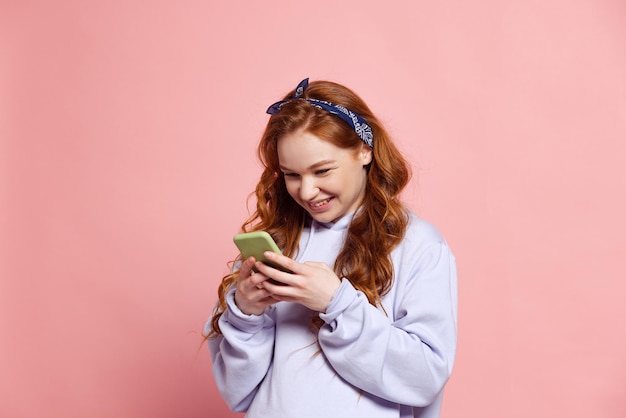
(405, 352)
(242, 355)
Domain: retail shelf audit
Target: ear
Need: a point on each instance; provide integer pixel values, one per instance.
(365, 155)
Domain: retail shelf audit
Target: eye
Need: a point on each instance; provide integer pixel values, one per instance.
(292, 175)
(322, 172)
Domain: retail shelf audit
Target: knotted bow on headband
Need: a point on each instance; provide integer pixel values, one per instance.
(358, 124)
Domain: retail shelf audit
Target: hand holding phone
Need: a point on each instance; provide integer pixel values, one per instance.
(254, 244)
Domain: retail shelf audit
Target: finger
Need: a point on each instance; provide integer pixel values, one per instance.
(246, 268)
(281, 276)
(283, 261)
(257, 277)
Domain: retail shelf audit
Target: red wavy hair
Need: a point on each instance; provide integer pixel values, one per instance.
(377, 228)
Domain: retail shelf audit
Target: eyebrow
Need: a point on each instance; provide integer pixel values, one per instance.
(313, 167)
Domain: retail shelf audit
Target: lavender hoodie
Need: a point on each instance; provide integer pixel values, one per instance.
(365, 361)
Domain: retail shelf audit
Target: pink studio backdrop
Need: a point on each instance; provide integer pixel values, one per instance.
(127, 150)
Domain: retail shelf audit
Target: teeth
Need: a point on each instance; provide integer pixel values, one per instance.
(322, 203)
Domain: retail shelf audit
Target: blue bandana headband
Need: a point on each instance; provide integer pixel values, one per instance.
(358, 124)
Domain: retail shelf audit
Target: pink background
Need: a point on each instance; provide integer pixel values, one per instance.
(128, 133)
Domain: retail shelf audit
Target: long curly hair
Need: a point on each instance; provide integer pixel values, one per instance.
(375, 230)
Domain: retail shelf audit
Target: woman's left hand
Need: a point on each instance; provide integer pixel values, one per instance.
(311, 284)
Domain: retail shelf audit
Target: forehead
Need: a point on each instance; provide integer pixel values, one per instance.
(303, 149)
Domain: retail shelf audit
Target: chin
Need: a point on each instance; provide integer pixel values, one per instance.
(325, 217)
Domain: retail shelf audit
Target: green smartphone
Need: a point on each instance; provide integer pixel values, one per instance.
(254, 244)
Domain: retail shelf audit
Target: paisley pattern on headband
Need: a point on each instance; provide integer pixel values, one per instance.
(358, 124)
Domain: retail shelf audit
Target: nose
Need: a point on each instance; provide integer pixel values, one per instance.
(308, 188)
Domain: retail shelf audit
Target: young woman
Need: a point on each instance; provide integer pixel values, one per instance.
(365, 325)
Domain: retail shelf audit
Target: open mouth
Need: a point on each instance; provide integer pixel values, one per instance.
(320, 204)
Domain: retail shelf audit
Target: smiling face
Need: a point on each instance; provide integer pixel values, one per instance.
(327, 181)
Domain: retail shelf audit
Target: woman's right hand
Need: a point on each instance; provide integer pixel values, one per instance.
(250, 295)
